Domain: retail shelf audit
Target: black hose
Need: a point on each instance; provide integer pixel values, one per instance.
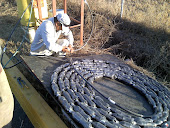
(72, 82)
(4, 50)
(107, 98)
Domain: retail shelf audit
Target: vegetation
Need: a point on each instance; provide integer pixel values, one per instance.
(140, 36)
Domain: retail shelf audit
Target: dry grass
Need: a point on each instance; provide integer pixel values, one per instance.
(141, 36)
(151, 13)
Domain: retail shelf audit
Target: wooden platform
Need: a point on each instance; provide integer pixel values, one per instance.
(36, 108)
(39, 111)
(125, 95)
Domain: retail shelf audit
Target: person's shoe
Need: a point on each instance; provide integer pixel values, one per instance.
(41, 53)
(61, 54)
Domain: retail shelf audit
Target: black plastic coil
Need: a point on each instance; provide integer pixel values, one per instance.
(90, 110)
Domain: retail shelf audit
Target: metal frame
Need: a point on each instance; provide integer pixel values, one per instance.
(81, 23)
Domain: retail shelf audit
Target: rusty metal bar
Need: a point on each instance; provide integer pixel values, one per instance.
(74, 26)
(82, 22)
(54, 8)
(75, 20)
(65, 6)
(39, 9)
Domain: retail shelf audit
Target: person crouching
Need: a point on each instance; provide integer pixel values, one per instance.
(46, 41)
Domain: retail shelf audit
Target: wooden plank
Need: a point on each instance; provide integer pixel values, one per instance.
(82, 23)
(65, 6)
(75, 20)
(54, 7)
(75, 26)
(38, 111)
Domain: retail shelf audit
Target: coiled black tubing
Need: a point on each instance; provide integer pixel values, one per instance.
(72, 84)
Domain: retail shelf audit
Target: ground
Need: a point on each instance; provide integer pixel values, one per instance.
(143, 42)
(20, 119)
(145, 47)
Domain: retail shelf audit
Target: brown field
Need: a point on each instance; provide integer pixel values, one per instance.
(141, 36)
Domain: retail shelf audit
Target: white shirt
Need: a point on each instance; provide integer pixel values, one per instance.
(46, 38)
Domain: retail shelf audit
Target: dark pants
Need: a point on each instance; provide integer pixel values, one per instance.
(9, 125)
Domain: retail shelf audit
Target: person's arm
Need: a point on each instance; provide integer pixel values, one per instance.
(69, 36)
(49, 37)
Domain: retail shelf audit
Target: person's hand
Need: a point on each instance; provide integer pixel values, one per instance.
(71, 49)
(66, 49)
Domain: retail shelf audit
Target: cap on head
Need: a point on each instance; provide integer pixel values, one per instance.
(63, 19)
